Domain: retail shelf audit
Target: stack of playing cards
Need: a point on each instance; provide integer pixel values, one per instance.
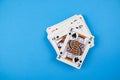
(71, 40)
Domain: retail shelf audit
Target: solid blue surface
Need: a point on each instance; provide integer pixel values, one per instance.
(26, 54)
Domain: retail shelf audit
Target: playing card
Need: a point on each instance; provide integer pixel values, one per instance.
(75, 48)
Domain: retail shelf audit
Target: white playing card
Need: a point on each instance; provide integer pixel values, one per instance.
(75, 48)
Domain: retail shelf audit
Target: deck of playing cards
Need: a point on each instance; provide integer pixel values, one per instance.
(71, 40)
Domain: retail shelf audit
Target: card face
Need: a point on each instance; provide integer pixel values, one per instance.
(75, 49)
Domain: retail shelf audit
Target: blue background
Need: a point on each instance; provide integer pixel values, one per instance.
(26, 54)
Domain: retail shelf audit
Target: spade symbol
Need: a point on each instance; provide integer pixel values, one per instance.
(76, 59)
(74, 35)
